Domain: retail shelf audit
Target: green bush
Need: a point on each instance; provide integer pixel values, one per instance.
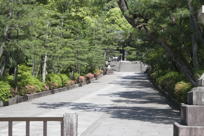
(5, 91)
(28, 83)
(76, 76)
(157, 74)
(54, 81)
(181, 90)
(10, 79)
(64, 79)
(168, 81)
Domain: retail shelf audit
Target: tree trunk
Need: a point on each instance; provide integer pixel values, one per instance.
(2, 66)
(195, 53)
(194, 24)
(124, 8)
(181, 65)
(1, 50)
(2, 61)
(44, 70)
(196, 36)
(105, 54)
(16, 77)
(33, 67)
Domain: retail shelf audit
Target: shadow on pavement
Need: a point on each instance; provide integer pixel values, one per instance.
(134, 84)
(138, 77)
(133, 81)
(139, 97)
(129, 105)
(146, 114)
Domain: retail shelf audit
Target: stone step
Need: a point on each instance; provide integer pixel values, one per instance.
(192, 115)
(182, 130)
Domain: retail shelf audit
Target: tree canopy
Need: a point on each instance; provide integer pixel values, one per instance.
(170, 28)
(58, 36)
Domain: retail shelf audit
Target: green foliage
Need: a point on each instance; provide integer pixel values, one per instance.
(5, 91)
(163, 35)
(28, 83)
(54, 81)
(156, 74)
(97, 71)
(76, 76)
(172, 82)
(64, 79)
(181, 90)
(10, 79)
(163, 40)
(168, 81)
(76, 36)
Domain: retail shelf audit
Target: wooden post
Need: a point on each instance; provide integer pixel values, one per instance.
(27, 128)
(70, 124)
(10, 128)
(44, 128)
(62, 128)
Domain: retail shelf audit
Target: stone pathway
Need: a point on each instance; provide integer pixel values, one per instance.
(123, 104)
(136, 109)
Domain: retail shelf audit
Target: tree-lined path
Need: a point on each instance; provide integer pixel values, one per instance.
(122, 104)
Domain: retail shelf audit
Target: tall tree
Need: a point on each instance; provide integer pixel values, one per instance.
(158, 20)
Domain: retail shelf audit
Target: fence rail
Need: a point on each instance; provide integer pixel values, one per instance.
(69, 123)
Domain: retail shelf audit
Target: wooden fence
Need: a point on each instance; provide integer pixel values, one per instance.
(69, 124)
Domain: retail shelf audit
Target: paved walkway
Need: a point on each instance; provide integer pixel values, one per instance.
(123, 104)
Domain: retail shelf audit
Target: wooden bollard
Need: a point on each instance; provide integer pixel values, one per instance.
(70, 124)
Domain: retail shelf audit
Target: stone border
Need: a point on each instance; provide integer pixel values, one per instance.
(27, 97)
(181, 130)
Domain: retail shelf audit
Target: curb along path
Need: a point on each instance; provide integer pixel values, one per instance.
(18, 99)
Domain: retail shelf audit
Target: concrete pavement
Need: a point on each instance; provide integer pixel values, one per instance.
(123, 104)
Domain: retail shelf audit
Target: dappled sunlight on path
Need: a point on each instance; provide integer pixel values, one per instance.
(123, 104)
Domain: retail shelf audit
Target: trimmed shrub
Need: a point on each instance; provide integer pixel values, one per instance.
(54, 81)
(5, 91)
(89, 76)
(97, 72)
(10, 80)
(157, 74)
(29, 89)
(70, 83)
(169, 80)
(28, 83)
(76, 76)
(81, 79)
(64, 79)
(181, 90)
